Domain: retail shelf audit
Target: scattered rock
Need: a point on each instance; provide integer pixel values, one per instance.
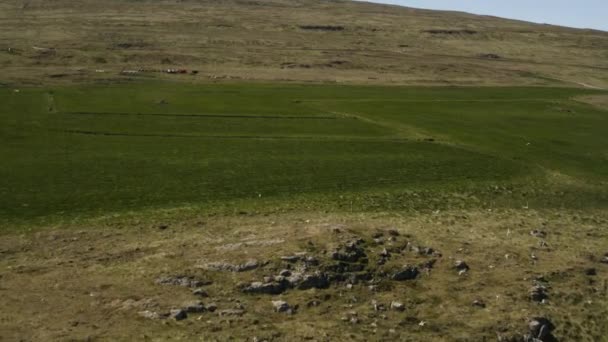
(604, 259)
(181, 280)
(311, 261)
(285, 273)
(178, 314)
(591, 272)
(211, 307)
(150, 314)
(397, 306)
(200, 293)
(479, 303)
(350, 252)
(538, 293)
(541, 329)
(282, 306)
(393, 232)
(538, 233)
(313, 303)
(428, 265)
(385, 253)
(421, 250)
(223, 266)
(461, 267)
(308, 281)
(163, 227)
(272, 288)
(291, 258)
(193, 307)
(407, 273)
(378, 306)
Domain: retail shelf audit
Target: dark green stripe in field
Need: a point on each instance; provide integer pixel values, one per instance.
(98, 150)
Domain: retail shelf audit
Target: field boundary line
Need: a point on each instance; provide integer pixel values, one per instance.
(227, 116)
(252, 137)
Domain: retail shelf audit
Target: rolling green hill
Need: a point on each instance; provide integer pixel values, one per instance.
(94, 150)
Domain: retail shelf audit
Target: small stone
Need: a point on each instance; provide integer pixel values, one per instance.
(311, 261)
(285, 273)
(265, 288)
(428, 265)
(538, 293)
(211, 307)
(201, 293)
(186, 281)
(479, 303)
(178, 314)
(461, 265)
(280, 306)
(538, 233)
(163, 227)
(354, 320)
(291, 258)
(540, 328)
(591, 272)
(377, 306)
(393, 232)
(407, 273)
(604, 259)
(223, 266)
(385, 253)
(397, 306)
(194, 306)
(313, 303)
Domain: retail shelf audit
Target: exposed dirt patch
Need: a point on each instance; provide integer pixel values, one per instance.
(600, 101)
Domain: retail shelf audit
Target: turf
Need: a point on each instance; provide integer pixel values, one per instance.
(80, 152)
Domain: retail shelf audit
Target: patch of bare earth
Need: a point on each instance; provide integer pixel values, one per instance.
(600, 101)
(443, 276)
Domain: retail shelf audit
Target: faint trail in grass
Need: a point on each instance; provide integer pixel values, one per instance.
(253, 137)
(375, 99)
(406, 131)
(203, 116)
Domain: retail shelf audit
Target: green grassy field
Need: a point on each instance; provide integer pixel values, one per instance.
(80, 152)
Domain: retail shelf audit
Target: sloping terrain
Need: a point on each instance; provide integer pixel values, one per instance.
(223, 170)
(62, 41)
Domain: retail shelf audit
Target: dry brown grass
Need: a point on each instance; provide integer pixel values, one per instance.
(258, 40)
(84, 283)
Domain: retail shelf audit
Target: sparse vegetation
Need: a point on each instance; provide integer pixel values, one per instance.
(170, 195)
